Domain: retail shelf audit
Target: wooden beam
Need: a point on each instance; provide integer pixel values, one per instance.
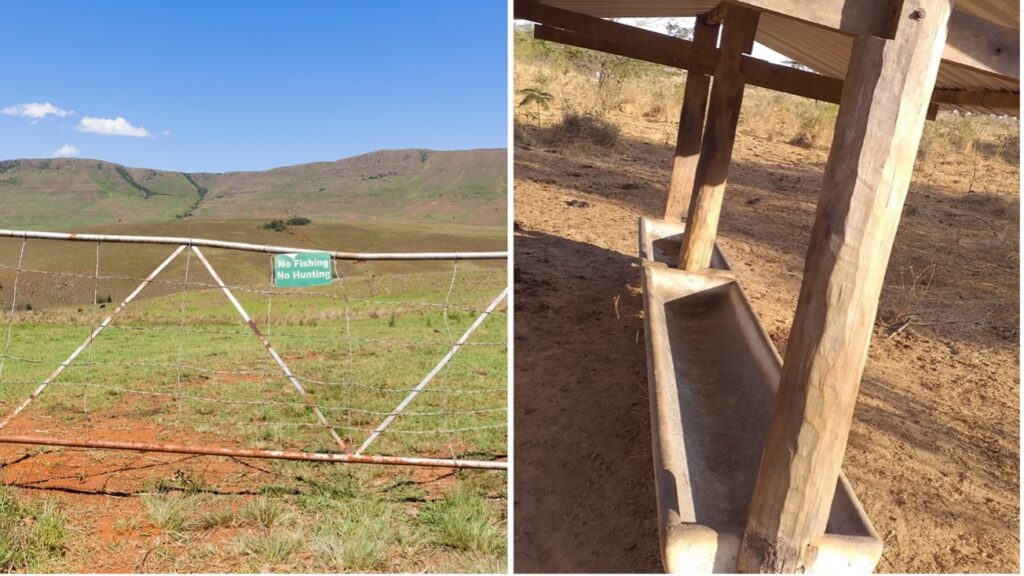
(865, 184)
(757, 72)
(791, 80)
(978, 99)
(761, 73)
(603, 29)
(973, 42)
(691, 126)
(980, 45)
(656, 55)
(719, 136)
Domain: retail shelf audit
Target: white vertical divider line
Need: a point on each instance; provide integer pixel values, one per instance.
(273, 353)
(120, 307)
(426, 380)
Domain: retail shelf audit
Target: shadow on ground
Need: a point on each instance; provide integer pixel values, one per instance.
(584, 496)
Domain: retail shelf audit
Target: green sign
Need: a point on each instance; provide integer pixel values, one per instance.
(302, 269)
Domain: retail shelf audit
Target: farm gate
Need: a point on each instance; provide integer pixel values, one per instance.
(180, 345)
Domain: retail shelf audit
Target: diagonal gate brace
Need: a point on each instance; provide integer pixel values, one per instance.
(426, 379)
(273, 353)
(63, 365)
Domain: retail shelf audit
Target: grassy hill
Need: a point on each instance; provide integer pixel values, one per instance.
(465, 187)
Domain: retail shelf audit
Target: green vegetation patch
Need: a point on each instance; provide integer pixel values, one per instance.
(31, 533)
(146, 192)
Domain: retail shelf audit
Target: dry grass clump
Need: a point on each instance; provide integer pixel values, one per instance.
(576, 127)
(1008, 147)
(817, 124)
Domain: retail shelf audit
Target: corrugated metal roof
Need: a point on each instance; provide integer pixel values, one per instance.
(824, 51)
(640, 9)
(1000, 12)
(828, 52)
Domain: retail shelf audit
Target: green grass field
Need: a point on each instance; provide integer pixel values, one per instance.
(179, 366)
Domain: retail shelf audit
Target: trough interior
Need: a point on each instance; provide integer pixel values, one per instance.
(667, 250)
(726, 381)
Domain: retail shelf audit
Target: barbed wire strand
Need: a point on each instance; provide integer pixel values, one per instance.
(181, 324)
(349, 363)
(451, 343)
(276, 374)
(258, 291)
(14, 303)
(293, 404)
(92, 328)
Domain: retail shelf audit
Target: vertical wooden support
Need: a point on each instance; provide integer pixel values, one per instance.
(878, 130)
(691, 125)
(719, 136)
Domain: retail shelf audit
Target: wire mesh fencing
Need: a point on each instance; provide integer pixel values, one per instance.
(186, 345)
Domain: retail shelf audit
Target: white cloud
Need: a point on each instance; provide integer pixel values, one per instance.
(36, 110)
(112, 127)
(66, 151)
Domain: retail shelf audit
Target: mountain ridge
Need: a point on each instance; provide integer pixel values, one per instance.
(418, 185)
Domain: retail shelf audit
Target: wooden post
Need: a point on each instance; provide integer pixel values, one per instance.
(866, 179)
(691, 125)
(719, 135)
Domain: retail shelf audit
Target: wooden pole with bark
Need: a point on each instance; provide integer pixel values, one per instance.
(719, 136)
(691, 125)
(878, 130)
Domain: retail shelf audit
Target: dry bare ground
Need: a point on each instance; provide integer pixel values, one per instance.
(934, 449)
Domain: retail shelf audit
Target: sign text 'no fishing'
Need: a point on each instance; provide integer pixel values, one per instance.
(302, 269)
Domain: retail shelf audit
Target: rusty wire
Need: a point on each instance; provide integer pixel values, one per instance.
(251, 290)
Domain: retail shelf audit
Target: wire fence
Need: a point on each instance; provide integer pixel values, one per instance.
(117, 342)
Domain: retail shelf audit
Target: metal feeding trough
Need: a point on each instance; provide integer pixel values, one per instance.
(713, 372)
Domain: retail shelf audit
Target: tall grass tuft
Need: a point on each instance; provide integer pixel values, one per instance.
(269, 547)
(464, 521)
(357, 536)
(167, 513)
(263, 512)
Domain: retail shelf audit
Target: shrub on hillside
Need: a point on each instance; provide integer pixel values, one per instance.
(276, 225)
(298, 221)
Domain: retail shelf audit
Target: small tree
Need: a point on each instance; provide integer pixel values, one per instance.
(535, 97)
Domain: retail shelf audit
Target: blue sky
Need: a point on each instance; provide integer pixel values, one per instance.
(221, 85)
